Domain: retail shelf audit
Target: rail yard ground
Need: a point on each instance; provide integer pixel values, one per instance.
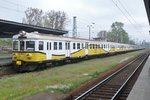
(60, 80)
(4, 54)
(5, 57)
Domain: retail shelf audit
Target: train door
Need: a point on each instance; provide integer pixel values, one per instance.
(86, 48)
(67, 46)
(95, 48)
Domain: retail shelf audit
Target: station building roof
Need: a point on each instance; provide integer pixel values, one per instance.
(10, 28)
(147, 6)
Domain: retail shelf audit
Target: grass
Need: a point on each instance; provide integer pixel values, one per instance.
(58, 79)
(3, 54)
(5, 42)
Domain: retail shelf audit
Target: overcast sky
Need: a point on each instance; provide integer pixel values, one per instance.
(102, 12)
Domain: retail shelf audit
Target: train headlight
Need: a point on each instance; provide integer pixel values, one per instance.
(14, 56)
(29, 56)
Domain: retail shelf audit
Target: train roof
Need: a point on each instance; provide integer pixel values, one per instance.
(39, 36)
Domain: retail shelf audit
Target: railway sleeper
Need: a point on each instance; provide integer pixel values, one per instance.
(104, 93)
(100, 97)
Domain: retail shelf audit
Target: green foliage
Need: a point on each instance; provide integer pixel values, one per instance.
(117, 33)
(94, 74)
(7, 42)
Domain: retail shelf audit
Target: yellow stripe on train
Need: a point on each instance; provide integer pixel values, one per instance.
(32, 56)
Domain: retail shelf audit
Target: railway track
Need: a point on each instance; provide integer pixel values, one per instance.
(6, 67)
(117, 85)
(5, 61)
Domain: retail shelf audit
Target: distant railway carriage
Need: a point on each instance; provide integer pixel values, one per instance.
(32, 50)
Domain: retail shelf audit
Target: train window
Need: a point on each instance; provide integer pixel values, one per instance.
(22, 45)
(55, 45)
(30, 45)
(82, 46)
(41, 45)
(15, 45)
(49, 45)
(68, 46)
(60, 45)
(74, 45)
(86, 45)
(78, 45)
(96, 46)
(90, 46)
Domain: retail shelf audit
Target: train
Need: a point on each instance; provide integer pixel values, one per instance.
(32, 50)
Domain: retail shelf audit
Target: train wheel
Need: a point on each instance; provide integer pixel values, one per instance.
(42, 66)
(31, 67)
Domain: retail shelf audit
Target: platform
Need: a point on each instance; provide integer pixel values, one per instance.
(141, 89)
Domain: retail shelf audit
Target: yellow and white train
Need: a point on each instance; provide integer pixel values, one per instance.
(32, 50)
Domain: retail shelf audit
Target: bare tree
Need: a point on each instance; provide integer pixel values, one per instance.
(55, 20)
(51, 19)
(33, 16)
(102, 35)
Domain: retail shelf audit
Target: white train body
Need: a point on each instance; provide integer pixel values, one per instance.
(37, 47)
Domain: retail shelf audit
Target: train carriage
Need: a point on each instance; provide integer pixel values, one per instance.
(32, 49)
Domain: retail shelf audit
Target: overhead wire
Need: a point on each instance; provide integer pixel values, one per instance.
(125, 15)
(122, 11)
(129, 13)
(12, 9)
(16, 4)
(139, 28)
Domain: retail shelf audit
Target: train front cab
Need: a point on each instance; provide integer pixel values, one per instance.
(26, 55)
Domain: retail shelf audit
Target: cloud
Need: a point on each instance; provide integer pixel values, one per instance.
(102, 12)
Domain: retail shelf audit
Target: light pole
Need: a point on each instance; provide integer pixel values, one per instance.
(90, 26)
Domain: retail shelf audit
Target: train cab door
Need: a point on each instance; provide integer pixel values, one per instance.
(67, 46)
(86, 48)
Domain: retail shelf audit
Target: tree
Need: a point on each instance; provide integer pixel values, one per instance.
(102, 35)
(117, 33)
(55, 20)
(51, 19)
(33, 16)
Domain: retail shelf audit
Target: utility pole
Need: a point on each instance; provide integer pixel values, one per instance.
(74, 31)
(90, 26)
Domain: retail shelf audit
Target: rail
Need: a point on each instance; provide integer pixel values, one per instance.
(108, 78)
(4, 61)
(123, 86)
